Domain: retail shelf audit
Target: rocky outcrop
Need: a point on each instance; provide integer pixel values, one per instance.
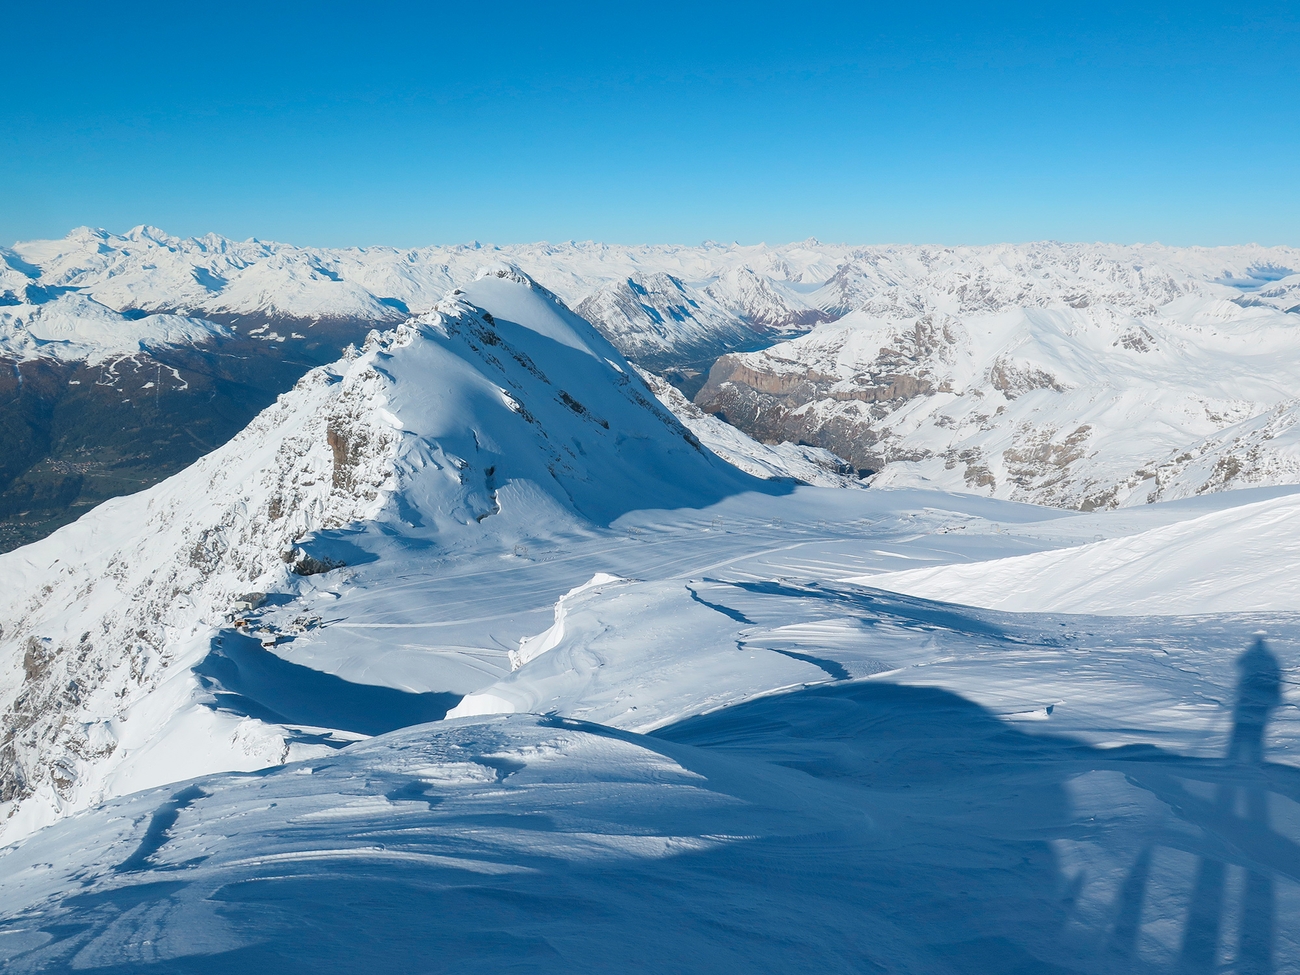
(824, 405)
(318, 458)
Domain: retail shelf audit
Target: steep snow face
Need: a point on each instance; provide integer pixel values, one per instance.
(1092, 388)
(653, 317)
(463, 424)
(767, 302)
(811, 465)
(1262, 450)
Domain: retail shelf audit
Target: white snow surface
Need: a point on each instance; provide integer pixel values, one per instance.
(1076, 375)
(1239, 560)
(76, 328)
(563, 690)
(468, 412)
(650, 298)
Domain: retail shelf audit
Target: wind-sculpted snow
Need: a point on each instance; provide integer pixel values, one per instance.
(837, 776)
(1242, 559)
(467, 655)
(844, 827)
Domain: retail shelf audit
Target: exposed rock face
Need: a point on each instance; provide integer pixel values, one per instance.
(775, 399)
(803, 462)
(318, 458)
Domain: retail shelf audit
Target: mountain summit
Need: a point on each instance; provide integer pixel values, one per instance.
(498, 418)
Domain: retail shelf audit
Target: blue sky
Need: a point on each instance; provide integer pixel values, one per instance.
(337, 124)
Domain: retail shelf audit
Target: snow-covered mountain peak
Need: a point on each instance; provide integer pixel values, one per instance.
(499, 417)
(507, 270)
(517, 297)
(898, 329)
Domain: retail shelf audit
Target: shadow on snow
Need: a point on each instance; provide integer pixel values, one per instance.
(246, 679)
(947, 859)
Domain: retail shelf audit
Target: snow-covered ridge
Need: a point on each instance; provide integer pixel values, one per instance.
(691, 302)
(1077, 375)
(76, 328)
(648, 299)
(461, 424)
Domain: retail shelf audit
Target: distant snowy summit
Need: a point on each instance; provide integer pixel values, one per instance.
(659, 303)
(1076, 375)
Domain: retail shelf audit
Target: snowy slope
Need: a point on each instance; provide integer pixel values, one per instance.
(73, 327)
(457, 426)
(654, 317)
(679, 699)
(1076, 375)
(1243, 559)
(530, 676)
(844, 823)
(468, 469)
(821, 829)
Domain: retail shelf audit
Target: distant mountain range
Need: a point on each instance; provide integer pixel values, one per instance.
(129, 356)
(1076, 375)
(1080, 376)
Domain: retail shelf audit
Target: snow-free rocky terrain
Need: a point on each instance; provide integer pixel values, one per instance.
(469, 655)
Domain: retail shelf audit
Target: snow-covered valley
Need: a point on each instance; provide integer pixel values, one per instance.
(470, 654)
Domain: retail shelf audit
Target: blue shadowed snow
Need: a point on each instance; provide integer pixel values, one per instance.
(163, 819)
(247, 679)
(850, 827)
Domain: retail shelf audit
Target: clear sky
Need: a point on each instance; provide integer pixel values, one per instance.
(336, 124)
